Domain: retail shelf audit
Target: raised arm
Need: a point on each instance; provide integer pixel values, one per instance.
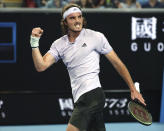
(41, 62)
(124, 73)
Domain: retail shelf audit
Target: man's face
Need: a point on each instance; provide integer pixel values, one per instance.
(74, 22)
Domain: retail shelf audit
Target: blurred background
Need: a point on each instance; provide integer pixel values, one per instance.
(43, 101)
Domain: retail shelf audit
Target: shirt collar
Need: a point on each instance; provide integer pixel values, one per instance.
(79, 36)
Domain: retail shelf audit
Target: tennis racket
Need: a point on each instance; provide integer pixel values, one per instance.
(139, 111)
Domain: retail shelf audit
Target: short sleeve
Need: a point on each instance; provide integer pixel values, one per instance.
(54, 52)
(103, 46)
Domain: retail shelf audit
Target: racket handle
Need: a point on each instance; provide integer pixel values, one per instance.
(137, 86)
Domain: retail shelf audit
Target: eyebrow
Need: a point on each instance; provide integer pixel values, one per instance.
(75, 16)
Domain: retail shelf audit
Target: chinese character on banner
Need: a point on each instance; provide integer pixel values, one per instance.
(144, 28)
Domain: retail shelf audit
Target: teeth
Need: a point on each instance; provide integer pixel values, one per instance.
(77, 26)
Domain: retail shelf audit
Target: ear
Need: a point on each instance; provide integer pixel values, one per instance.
(65, 21)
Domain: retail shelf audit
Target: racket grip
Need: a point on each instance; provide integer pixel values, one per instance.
(137, 86)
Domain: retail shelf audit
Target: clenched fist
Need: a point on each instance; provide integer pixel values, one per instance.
(35, 36)
(37, 32)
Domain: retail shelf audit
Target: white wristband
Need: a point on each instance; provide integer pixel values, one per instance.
(137, 86)
(34, 41)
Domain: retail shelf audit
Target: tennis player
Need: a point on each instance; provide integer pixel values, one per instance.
(80, 50)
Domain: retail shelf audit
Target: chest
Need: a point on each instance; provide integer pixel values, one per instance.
(76, 52)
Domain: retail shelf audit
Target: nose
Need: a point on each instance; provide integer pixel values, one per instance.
(77, 19)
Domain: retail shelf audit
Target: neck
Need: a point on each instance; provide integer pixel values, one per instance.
(73, 35)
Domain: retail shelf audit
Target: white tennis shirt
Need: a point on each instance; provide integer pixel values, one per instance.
(81, 59)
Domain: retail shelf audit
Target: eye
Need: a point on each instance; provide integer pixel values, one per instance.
(79, 16)
(72, 17)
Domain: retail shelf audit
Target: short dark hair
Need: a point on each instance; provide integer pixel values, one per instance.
(63, 26)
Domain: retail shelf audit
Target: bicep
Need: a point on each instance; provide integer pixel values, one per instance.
(48, 59)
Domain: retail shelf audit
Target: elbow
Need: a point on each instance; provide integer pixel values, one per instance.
(40, 69)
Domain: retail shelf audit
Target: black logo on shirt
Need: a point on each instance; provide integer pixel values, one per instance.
(84, 45)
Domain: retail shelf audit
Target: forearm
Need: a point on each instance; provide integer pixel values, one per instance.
(121, 69)
(38, 60)
(124, 73)
(36, 55)
(41, 62)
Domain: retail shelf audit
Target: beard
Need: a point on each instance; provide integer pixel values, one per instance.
(74, 30)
